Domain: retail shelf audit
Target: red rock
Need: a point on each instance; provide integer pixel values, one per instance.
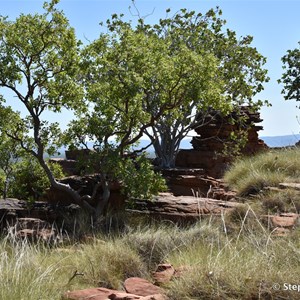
(154, 297)
(126, 296)
(123, 296)
(91, 294)
(141, 287)
(163, 273)
(185, 208)
(214, 130)
(285, 220)
(107, 294)
(99, 294)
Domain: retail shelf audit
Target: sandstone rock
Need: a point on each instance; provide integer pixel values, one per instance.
(123, 296)
(141, 287)
(69, 166)
(208, 146)
(91, 294)
(77, 154)
(85, 186)
(281, 232)
(163, 273)
(154, 297)
(183, 208)
(285, 220)
(107, 294)
(285, 185)
(34, 229)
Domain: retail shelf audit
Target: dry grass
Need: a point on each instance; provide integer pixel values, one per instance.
(249, 175)
(242, 264)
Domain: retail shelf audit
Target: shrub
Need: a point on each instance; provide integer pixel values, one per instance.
(29, 179)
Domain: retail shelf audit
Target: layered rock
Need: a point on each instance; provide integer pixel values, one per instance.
(179, 209)
(214, 134)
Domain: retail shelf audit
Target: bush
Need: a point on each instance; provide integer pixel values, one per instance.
(29, 179)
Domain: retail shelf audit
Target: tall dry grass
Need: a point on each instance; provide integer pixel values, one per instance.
(249, 175)
(220, 263)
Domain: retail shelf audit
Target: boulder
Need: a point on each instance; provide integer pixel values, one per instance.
(34, 229)
(141, 287)
(163, 273)
(91, 294)
(286, 220)
(35, 219)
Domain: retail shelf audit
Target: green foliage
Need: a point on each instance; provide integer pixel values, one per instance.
(29, 181)
(39, 63)
(249, 175)
(235, 74)
(291, 76)
(149, 183)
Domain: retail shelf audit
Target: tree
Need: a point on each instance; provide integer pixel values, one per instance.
(38, 65)
(291, 77)
(233, 79)
(136, 81)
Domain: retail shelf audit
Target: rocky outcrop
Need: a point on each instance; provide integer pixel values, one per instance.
(163, 274)
(194, 182)
(34, 221)
(33, 229)
(181, 208)
(214, 132)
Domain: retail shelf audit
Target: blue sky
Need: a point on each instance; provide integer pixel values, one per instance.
(274, 24)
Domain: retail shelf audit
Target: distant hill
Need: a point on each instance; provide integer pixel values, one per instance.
(281, 141)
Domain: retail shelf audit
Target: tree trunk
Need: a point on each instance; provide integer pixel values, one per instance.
(77, 198)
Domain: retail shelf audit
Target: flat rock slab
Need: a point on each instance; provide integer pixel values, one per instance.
(290, 185)
(141, 287)
(91, 294)
(107, 294)
(182, 207)
(283, 220)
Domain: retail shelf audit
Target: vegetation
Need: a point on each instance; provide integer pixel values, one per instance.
(291, 76)
(218, 264)
(256, 180)
(29, 181)
(249, 175)
(117, 92)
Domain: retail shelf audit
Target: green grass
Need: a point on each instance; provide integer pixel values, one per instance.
(242, 264)
(249, 175)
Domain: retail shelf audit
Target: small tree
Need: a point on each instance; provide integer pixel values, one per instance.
(39, 60)
(291, 77)
(39, 65)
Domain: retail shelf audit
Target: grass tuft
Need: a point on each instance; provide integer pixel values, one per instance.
(249, 175)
